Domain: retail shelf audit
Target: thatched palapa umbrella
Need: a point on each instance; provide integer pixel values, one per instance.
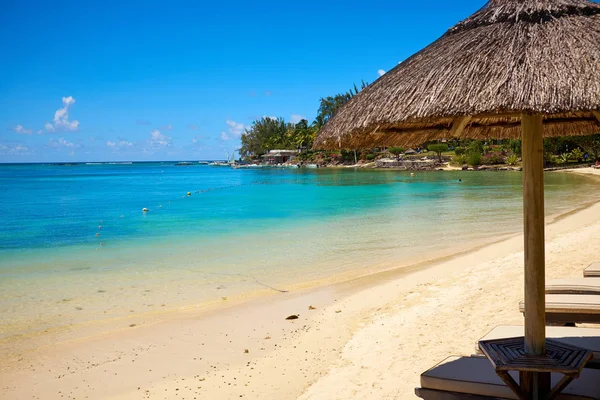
(514, 69)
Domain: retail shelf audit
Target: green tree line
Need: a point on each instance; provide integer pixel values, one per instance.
(269, 133)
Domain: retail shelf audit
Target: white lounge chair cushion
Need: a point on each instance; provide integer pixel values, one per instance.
(475, 375)
(592, 270)
(586, 338)
(574, 286)
(570, 304)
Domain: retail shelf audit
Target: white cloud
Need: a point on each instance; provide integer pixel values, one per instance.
(296, 118)
(158, 139)
(62, 143)
(66, 143)
(235, 129)
(167, 127)
(18, 149)
(119, 145)
(21, 130)
(380, 72)
(61, 118)
(193, 127)
(39, 132)
(224, 136)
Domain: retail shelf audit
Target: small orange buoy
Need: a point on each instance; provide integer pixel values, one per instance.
(97, 234)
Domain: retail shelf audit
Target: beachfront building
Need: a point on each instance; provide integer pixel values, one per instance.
(280, 156)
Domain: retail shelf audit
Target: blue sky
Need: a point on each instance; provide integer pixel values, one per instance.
(146, 80)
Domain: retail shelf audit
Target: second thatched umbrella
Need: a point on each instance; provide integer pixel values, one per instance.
(514, 69)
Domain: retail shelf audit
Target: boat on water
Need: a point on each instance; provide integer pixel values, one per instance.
(219, 164)
(203, 162)
(248, 166)
(229, 163)
(257, 166)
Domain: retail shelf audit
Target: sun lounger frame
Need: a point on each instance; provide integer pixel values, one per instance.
(572, 318)
(592, 270)
(476, 376)
(587, 285)
(570, 309)
(432, 394)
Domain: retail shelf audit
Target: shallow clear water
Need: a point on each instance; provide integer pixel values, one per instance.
(76, 247)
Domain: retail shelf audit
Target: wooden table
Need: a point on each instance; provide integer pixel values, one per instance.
(509, 355)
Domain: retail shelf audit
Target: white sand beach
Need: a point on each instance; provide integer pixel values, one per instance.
(365, 339)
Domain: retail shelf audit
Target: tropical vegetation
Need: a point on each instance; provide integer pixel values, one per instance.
(438, 148)
(267, 134)
(557, 151)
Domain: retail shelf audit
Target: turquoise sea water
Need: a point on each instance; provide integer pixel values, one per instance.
(76, 247)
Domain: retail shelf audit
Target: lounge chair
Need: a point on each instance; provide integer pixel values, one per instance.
(473, 378)
(593, 270)
(586, 338)
(574, 286)
(570, 308)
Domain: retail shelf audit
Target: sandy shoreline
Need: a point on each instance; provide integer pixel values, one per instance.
(367, 338)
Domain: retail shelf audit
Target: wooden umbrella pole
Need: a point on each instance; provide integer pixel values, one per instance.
(534, 384)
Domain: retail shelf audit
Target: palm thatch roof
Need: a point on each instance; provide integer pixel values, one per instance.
(510, 57)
